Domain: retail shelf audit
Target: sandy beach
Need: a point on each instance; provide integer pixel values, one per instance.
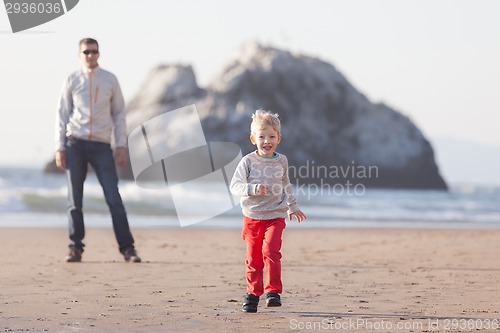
(192, 280)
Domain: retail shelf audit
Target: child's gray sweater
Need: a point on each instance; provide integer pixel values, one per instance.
(272, 171)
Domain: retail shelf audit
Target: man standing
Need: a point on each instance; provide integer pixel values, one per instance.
(91, 107)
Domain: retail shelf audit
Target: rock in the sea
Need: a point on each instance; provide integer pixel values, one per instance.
(332, 134)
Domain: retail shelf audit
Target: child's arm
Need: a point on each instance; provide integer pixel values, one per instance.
(293, 209)
(239, 183)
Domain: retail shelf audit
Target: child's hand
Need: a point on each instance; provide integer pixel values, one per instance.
(261, 189)
(298, 215)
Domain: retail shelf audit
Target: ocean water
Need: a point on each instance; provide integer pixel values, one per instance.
(30, 198)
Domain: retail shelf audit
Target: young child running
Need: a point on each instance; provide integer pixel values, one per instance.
(261, 180)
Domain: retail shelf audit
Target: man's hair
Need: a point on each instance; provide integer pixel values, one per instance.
(261, 118)
(87, 41)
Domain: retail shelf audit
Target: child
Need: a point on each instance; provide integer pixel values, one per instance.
(261, 180)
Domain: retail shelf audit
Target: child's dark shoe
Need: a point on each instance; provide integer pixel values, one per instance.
(250, 303)
(273, 300)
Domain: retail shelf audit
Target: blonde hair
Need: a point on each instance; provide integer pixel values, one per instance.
(261, 118)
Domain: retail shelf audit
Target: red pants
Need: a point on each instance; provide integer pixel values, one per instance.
(263, 240)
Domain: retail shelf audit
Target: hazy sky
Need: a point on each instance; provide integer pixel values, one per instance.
(435, 61)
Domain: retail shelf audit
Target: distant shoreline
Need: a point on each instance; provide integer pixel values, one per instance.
(33, 198)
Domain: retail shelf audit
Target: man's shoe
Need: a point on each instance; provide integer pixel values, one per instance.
(74, 255)
(250, 303)
(273, 300)
(131, 255)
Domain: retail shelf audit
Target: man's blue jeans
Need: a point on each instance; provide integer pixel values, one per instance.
(80, 153)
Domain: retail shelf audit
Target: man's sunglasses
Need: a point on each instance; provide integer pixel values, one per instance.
(87, 52)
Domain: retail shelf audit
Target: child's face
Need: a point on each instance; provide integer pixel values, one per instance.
(266, 139)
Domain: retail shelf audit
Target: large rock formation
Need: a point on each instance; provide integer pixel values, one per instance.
(331, 132)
